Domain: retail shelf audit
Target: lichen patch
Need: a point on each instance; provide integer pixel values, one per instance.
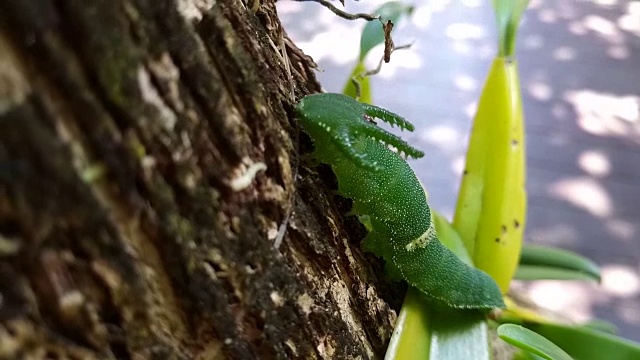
(305, 302)
(277, 299)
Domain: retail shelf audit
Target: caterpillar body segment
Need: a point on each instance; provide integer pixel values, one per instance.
(391, 201)
(347, 123)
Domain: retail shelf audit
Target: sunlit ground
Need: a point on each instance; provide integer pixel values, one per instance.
(580, 76)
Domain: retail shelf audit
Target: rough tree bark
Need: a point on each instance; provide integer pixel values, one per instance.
(126, 131)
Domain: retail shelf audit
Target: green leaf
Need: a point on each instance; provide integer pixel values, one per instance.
(450, 237)
(569, 265)
(372, 35)
(365, 84)
(528, 340)
(525, 355)
(459, 334)
(508, 14)
(425, 331)
(411, 335)
(601, 326)
(536, 272)
(586, 344)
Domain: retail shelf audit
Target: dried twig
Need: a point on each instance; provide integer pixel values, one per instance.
(388, 41)
(344, 14)
(386, 29)
(386, 58)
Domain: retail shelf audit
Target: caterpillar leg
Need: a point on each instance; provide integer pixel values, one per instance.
(344, 139)
(386, 116)
(388, 138)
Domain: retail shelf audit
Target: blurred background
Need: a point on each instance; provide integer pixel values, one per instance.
(580, 76)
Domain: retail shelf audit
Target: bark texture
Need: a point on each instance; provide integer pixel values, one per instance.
(131, 224)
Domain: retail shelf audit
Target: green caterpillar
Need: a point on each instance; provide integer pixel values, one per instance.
(390, 200)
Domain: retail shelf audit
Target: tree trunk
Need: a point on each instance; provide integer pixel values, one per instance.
(132, 225)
